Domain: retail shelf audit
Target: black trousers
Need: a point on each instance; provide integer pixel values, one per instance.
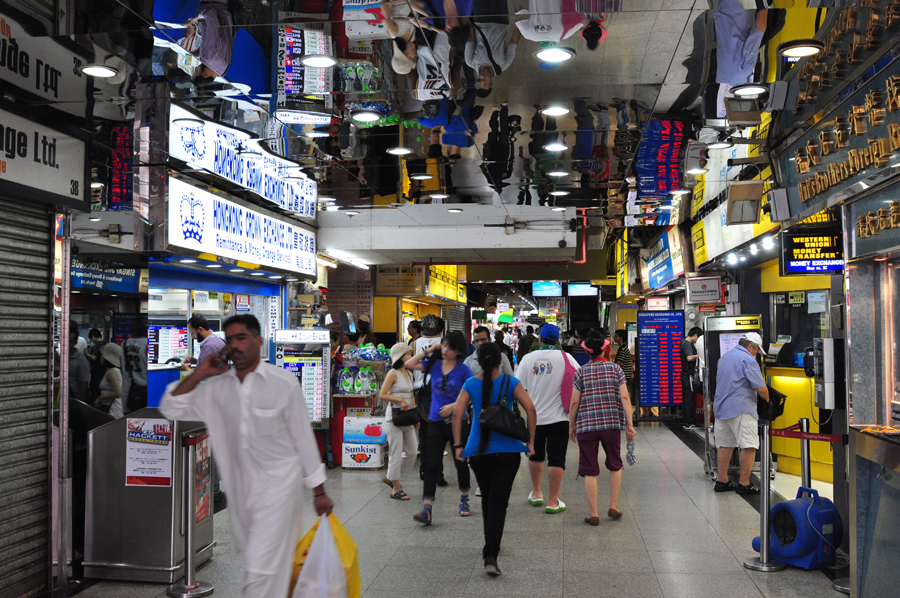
(438, 436)
(495, 473)
(688, 400)
(423, 449)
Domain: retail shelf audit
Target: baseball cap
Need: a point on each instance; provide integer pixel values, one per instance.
(550, 332)
(754, 337)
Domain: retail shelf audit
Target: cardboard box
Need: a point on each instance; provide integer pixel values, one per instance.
(365, 430)
(362, 456)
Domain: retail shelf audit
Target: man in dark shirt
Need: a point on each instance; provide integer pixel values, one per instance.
(499, 337)
(688, 369)
(525, 343)
(93, 355)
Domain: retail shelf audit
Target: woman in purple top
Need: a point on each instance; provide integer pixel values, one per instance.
(448, 375)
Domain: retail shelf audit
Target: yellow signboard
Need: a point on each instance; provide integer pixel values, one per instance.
(442, 282)
(462, 295)
(622, 265)
(797, 297)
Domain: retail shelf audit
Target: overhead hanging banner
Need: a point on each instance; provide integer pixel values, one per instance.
(666, 261)
(203, 222)
(214, 147)
(117, 278)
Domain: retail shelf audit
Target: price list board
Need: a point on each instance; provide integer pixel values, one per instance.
(659, 337)
(165, 342)
(309, 367)
(293, 78)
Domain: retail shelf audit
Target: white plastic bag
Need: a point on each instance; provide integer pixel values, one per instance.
(322, 575)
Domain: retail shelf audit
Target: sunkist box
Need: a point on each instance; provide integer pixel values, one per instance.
(359, 456)
(365, 430)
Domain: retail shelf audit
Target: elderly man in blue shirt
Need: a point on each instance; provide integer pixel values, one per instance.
(738, 381)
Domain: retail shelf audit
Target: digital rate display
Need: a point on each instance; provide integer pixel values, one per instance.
(659, 340)
(813, 252)
(309, 367)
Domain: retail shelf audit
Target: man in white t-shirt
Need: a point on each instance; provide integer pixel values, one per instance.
(432, 333)
(543, 374)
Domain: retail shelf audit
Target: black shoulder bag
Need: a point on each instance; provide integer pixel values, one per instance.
(423, 395)
(408, 417)
(498, 418)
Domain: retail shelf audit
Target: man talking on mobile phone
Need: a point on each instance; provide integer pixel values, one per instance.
(258, 424)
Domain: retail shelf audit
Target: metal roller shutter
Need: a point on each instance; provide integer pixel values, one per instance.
(26, 302)
(455, 318)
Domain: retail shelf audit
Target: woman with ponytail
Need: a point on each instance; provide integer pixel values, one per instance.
(494, 458)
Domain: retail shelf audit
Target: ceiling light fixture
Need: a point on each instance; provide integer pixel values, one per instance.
(96, 185)
(799, 48)
(554, 54)
(366, 116)
(559, 193)
(454, 210)
(291, 279)
(188, 261)
(315, 134)
(326, 198)
(697, 170)
(556, 146)
(258, 274)
(554, 111)
(422, 177)
(731, 259)
(399, 151)
(327, 263)
(351, 213)
(438, 196)
(95, 219)
(558, 173)
(680, 191)
(558, 209)
(768, 243)
(331, 209)
(749, 90)
(101, 71)
(275, 276)
(188, 121)
(213, 265)
(318, 61)
(237, 270)
(347, 260)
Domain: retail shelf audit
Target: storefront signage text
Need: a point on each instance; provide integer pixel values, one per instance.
(400, 280)
(704, 290)
(666, 263)
(206, 223)
(811, 252)
(115, 277)
(216, 148)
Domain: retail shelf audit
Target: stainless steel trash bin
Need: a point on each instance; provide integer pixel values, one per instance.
(135, 498)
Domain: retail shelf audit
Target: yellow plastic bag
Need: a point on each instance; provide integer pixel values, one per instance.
(346, 547)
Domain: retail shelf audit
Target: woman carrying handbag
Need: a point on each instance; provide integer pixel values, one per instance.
(495, 457)
(402, 419)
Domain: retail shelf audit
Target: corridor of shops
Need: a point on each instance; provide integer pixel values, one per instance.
(676, 538)
(260, 259)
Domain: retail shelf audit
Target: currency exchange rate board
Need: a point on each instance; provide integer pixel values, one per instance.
(659, 337)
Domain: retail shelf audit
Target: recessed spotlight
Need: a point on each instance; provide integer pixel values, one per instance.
(799, 48)
(213, 265)
(318, 61)
(422, 177)
(731, 259)
(558, 209)
(188, 121)
(275, 276)
(351, 213)
(438, 196)
(554, 54)
(554, 111)
(331, 209)
(743, 258)
(720, 145)
(556, 147)
(749, 90)
(291, 279)
(258, 274)
(399, 151)
(101, 71)
(454, 210)
(315, 134)
(559, 193)
(698, 170)
(680, 192)
(366, 116)
(237, 270)
(557, 173)
(188, 261)
(95, 219)
(768, 243)
(96, 185)
(881, 259)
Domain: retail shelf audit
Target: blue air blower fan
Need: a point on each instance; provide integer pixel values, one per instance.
(804, 532)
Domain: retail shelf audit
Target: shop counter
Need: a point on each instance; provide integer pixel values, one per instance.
(875, 503)
(799, 404)
(158, 377)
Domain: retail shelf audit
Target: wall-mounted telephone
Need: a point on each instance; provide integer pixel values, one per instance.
(809, 362)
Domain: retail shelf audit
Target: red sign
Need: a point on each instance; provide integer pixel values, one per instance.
(707, 309)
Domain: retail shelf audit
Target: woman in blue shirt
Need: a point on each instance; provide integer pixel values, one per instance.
(447, 377)
(494, 457)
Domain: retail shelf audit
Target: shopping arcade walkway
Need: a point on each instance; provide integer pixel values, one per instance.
(677, 539)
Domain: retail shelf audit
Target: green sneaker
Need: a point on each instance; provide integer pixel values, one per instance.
(534, 502)
(559, 508)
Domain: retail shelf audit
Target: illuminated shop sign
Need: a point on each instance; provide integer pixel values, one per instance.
(812, 252)
(202, 222)
(215, 148)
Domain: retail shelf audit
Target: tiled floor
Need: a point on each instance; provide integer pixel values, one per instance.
(677, 539)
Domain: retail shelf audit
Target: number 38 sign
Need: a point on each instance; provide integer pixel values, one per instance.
(41, 163)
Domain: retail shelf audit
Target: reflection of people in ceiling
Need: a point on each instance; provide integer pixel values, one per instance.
(448, 16)
(498, 151)
(209, 38)
(487, 51)
(426, 60)
(590, 154)
(455, 121)
(556, 20)
(739, 34)
(544, 160)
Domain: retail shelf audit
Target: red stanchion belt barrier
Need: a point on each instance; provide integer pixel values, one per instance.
(794, 432)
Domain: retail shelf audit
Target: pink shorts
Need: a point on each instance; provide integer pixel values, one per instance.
(589, 450)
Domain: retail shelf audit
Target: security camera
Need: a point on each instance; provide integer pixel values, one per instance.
(562, 244)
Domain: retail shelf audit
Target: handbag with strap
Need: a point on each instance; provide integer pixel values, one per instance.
(500, 419)
(423, 395)
(408, 417)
